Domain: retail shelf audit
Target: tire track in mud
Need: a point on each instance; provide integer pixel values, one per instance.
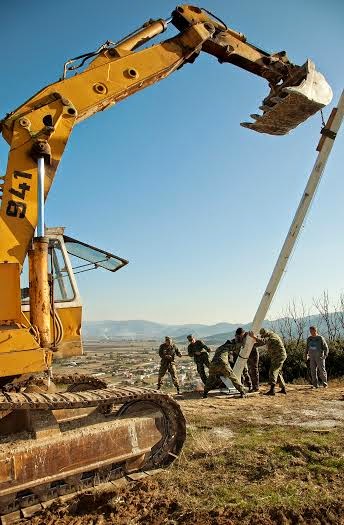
(144, 504)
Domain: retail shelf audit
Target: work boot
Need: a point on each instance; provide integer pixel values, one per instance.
(283, 390)
(159, 386)
(243, 394)
(205, 395)
(270, 392)
(178, 390)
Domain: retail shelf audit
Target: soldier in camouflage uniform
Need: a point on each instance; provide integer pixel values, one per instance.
(220, 366)
(245, 376)
(251, 371)
(199, 352)
(278, 355)
(167, 353)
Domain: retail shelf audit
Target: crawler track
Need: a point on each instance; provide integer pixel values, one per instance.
(120, 403)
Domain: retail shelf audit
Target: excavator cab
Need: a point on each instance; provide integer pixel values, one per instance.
(66, 258)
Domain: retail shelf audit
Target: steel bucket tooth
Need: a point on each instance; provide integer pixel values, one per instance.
(293, 102)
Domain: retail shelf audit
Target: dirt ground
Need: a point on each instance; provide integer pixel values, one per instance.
(303, 406)
(259, 460)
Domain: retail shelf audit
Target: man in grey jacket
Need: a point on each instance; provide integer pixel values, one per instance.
(316, 352)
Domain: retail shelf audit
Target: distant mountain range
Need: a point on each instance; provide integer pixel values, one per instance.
(148, 330)
(139, 329)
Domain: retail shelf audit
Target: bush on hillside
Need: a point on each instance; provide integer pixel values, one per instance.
(295, 366)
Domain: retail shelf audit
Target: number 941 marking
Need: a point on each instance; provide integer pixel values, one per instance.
(17, 208)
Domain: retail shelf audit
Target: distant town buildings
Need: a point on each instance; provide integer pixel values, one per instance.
(128, 363)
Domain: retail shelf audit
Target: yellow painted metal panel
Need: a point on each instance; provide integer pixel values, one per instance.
(18, 215)
(71, 320)
(68, 349)
(22, 362)
(10, 308)
(17, 340)
(71, 344)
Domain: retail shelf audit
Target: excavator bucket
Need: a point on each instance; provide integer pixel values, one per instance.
(289, 104)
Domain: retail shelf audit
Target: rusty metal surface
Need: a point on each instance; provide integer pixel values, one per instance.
(107, 486)
(300, 96)
(21, 384)
(284, 116)
(70, 453)
(136, 430)
(65, 400)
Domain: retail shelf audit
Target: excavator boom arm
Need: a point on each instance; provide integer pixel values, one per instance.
(228, 45)
(296, 92)
(41, 126)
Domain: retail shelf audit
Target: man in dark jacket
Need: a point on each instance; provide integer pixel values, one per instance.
(200, 354)
(220, 366)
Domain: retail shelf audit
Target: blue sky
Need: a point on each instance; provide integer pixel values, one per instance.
(169, 180)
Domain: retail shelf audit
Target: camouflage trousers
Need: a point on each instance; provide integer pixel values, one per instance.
(275, 371)
(201, 361)
(246, 378)
(253, 368)
(215, 372)
(250, 373)
(170, 367)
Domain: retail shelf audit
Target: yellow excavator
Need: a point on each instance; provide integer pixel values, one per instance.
(60, 434)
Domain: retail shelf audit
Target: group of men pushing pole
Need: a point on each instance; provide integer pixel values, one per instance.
(220, 366)
(225, 355)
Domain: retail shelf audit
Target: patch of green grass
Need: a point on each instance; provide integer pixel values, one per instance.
(258, 467)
